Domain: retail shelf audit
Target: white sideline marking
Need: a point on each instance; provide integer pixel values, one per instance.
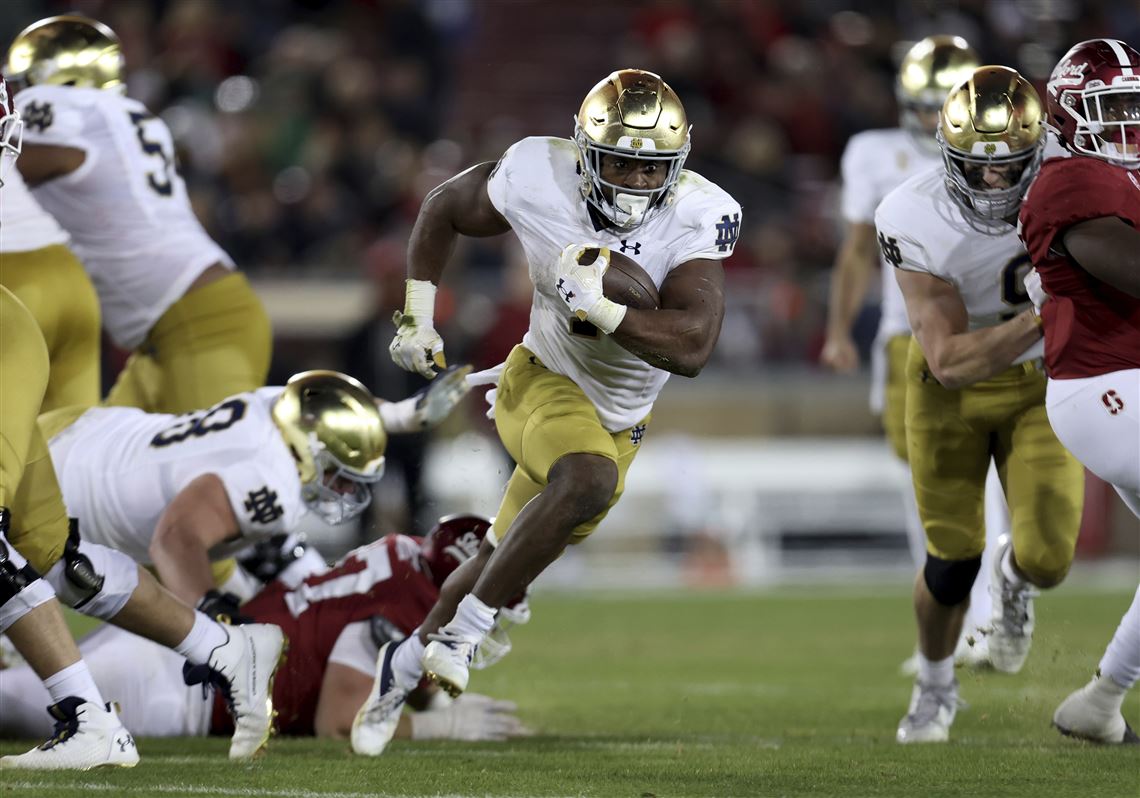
(252, 792)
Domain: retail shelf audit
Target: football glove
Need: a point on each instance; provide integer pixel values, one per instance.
(1035, 290)
(223, 607)
(469, 717)
(436, 401)
(417, 346)
(580, 287)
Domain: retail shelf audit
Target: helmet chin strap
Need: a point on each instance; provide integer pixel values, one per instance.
(630, 209)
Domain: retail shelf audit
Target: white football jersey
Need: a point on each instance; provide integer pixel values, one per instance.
(874, 163)
(119, 468)
(24, 225)
(921, 228)
(125, 207)
(535, 187)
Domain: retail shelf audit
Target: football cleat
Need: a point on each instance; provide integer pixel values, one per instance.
(1082, 716)
(1013, 622)
(931, 713)
(86, 736)
(243, 668)
(972, 651)
(376, 720)
(447, 660)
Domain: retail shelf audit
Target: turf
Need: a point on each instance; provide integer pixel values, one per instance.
(786, 694)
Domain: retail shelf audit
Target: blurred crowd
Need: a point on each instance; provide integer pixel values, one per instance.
(310, 130)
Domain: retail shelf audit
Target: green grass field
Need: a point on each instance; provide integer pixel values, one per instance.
(794, 693)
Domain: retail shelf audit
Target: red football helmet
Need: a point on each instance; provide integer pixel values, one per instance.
(11, 129)
(1094, 101)
(451, 542)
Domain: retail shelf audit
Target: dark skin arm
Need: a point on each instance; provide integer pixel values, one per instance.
(680, 336)
(39, 163)
(1108, 248)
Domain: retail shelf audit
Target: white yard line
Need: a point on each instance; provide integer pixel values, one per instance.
(191, 789)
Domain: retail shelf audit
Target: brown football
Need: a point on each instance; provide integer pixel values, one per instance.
(625, 282)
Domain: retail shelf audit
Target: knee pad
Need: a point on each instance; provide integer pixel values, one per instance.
(949, 581)
(92, 578)
(21, 589)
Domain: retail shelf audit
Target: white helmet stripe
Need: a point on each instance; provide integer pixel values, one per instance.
(1121, 57)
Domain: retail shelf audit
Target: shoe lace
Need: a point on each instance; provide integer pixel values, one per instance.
(931, 699)
(454, 641)
(1015, 607)
(66, 724)
(208, 677)
(389, 701)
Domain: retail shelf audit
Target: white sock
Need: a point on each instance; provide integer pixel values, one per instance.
(936, 673)
(74, 680)
(1121, 660)
(473, 619)
(407, 661)
(1011, 574)
(206, 635)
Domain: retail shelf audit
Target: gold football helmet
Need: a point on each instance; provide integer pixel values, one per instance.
(634, 114)
(992, 137)
(331, 424)
(68, 50)
(929, 70)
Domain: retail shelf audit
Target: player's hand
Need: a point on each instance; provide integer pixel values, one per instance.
(1035, 290)
(416, 348)
(840, 354)
(488, 377)
(435, 402)
(580, 284)
(470, 717)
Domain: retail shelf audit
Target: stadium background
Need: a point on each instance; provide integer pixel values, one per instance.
(310, 131)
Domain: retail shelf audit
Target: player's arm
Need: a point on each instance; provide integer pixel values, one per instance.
(428, 406)
(1108, 248)
(855, 266)
(956, 356)
(198, 518)
(461, 206)
(680, 336)
(39, 163)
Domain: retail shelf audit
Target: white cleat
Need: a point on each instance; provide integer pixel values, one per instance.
(447, 661)
(931, 713)
(376, 720)
(972, 651)
(1013, 622)
(86, 736)
(1082, 716)
(243, 669)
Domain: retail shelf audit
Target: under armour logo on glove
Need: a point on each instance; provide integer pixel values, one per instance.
(563, 291)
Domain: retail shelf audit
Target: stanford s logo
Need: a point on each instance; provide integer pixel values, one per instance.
(1112, 402)
(727, 231)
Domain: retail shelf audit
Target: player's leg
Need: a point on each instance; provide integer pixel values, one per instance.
(137, 384)
(948, 459)
(212, 343)
(1045, 486)
(71, 329)
(1093, 711)
(973, 647)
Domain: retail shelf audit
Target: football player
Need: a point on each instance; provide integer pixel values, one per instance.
(104, 167)
(875, 162)
(34, 521)
(975, 389)
(1081, 224)
(336, 620)
(574, 398)
(180, 492)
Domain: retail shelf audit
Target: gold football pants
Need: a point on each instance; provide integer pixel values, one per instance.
(951, 436)
(212, 343)
(28, 486)
(541, 417)
(54, 287)
(894, 394)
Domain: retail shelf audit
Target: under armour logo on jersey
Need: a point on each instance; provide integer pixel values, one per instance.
(890, 250)
(636, 434)
(727, 231)
(38, 116)
(563, 292)
(1112, 402)
(263, 507)
(635, 246)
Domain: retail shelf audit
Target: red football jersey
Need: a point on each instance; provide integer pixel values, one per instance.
(382, 578)
(1091, 328)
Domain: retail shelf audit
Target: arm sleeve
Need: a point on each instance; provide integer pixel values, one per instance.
(499, 183)
(898, 249)
(263, 502)
(715, 234)
(858, 197)
(354, 649)
(1068, 191)
(50, 119)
